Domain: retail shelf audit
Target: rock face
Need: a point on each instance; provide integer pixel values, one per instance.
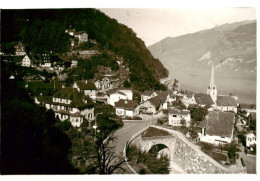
(232, 47)
(188, 158)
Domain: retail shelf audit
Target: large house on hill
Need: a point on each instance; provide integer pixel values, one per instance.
(218, 128)
(69, 104)
(126, 108)
(82, 36)
(87, 87)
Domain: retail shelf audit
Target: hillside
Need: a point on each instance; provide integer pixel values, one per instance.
(231, 46)
(44, 30)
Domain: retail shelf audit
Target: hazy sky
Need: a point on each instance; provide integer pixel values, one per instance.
(153, 25)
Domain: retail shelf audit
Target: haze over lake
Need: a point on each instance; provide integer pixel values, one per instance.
(197, 80)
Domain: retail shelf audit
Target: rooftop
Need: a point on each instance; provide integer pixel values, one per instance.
(83, 85)
(161, 98)
(226, 101)
(126, 104)
(220, 123)
(179, 112)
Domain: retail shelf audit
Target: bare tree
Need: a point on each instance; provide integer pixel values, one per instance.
(104, 155)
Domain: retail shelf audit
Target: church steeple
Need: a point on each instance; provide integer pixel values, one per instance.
(212, 89)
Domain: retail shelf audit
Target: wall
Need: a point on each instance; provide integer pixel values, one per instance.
(184, 154)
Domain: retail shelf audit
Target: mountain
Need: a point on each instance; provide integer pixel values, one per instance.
(43, 30)
(232, 48)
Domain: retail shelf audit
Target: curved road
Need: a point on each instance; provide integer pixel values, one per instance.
(124, 135)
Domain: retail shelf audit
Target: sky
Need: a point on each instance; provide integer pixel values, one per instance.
(153, 25)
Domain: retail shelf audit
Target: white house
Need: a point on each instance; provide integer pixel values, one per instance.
(160, 101)
(148, 95)
(188, 99)
(250, 139)
(116, 94)
(74, 63)
(175, 117)
(82, 36)
(105, 83)
(87, 87)
(126, 108)
(219, 128)
(26, 61)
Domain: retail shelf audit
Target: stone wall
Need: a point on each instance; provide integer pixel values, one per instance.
(184, 154)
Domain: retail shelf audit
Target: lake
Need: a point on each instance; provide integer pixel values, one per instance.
(238, 84)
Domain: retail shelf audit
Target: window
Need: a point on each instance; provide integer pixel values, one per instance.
(174, 116)
(119, 111)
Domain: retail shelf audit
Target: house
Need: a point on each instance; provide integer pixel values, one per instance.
(114, 95)
(45, 60)
(203, 100)
(74, 63)
(219, 128)
(188, 99)
(175, 116)
(148, 95)
(19, 49)
(87, 87)
(126, 107)
(22, 60)
(104, 83)
(82, 36)
(26, 61)
(226, 103)
(250, 139)
(162, 101)
(69, 104)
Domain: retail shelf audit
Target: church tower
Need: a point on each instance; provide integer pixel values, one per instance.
(212, 89)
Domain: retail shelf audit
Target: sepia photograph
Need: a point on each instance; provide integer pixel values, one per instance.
(94, 90)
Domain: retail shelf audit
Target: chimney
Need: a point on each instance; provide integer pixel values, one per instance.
(125, 101)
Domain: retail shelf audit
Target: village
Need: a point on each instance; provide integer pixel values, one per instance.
(206, 117)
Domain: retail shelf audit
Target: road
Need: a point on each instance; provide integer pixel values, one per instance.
(125, 134)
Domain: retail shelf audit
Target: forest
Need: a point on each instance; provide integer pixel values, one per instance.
(44, 30)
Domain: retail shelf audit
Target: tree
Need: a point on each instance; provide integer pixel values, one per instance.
(127, 84)
(106, 162)
(197, 113)
(183, 123)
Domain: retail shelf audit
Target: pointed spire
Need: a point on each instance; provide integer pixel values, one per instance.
(212, 80)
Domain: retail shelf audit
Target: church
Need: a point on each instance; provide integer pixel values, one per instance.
(221, 102)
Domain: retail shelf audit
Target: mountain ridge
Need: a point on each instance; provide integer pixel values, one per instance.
(236, 41)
